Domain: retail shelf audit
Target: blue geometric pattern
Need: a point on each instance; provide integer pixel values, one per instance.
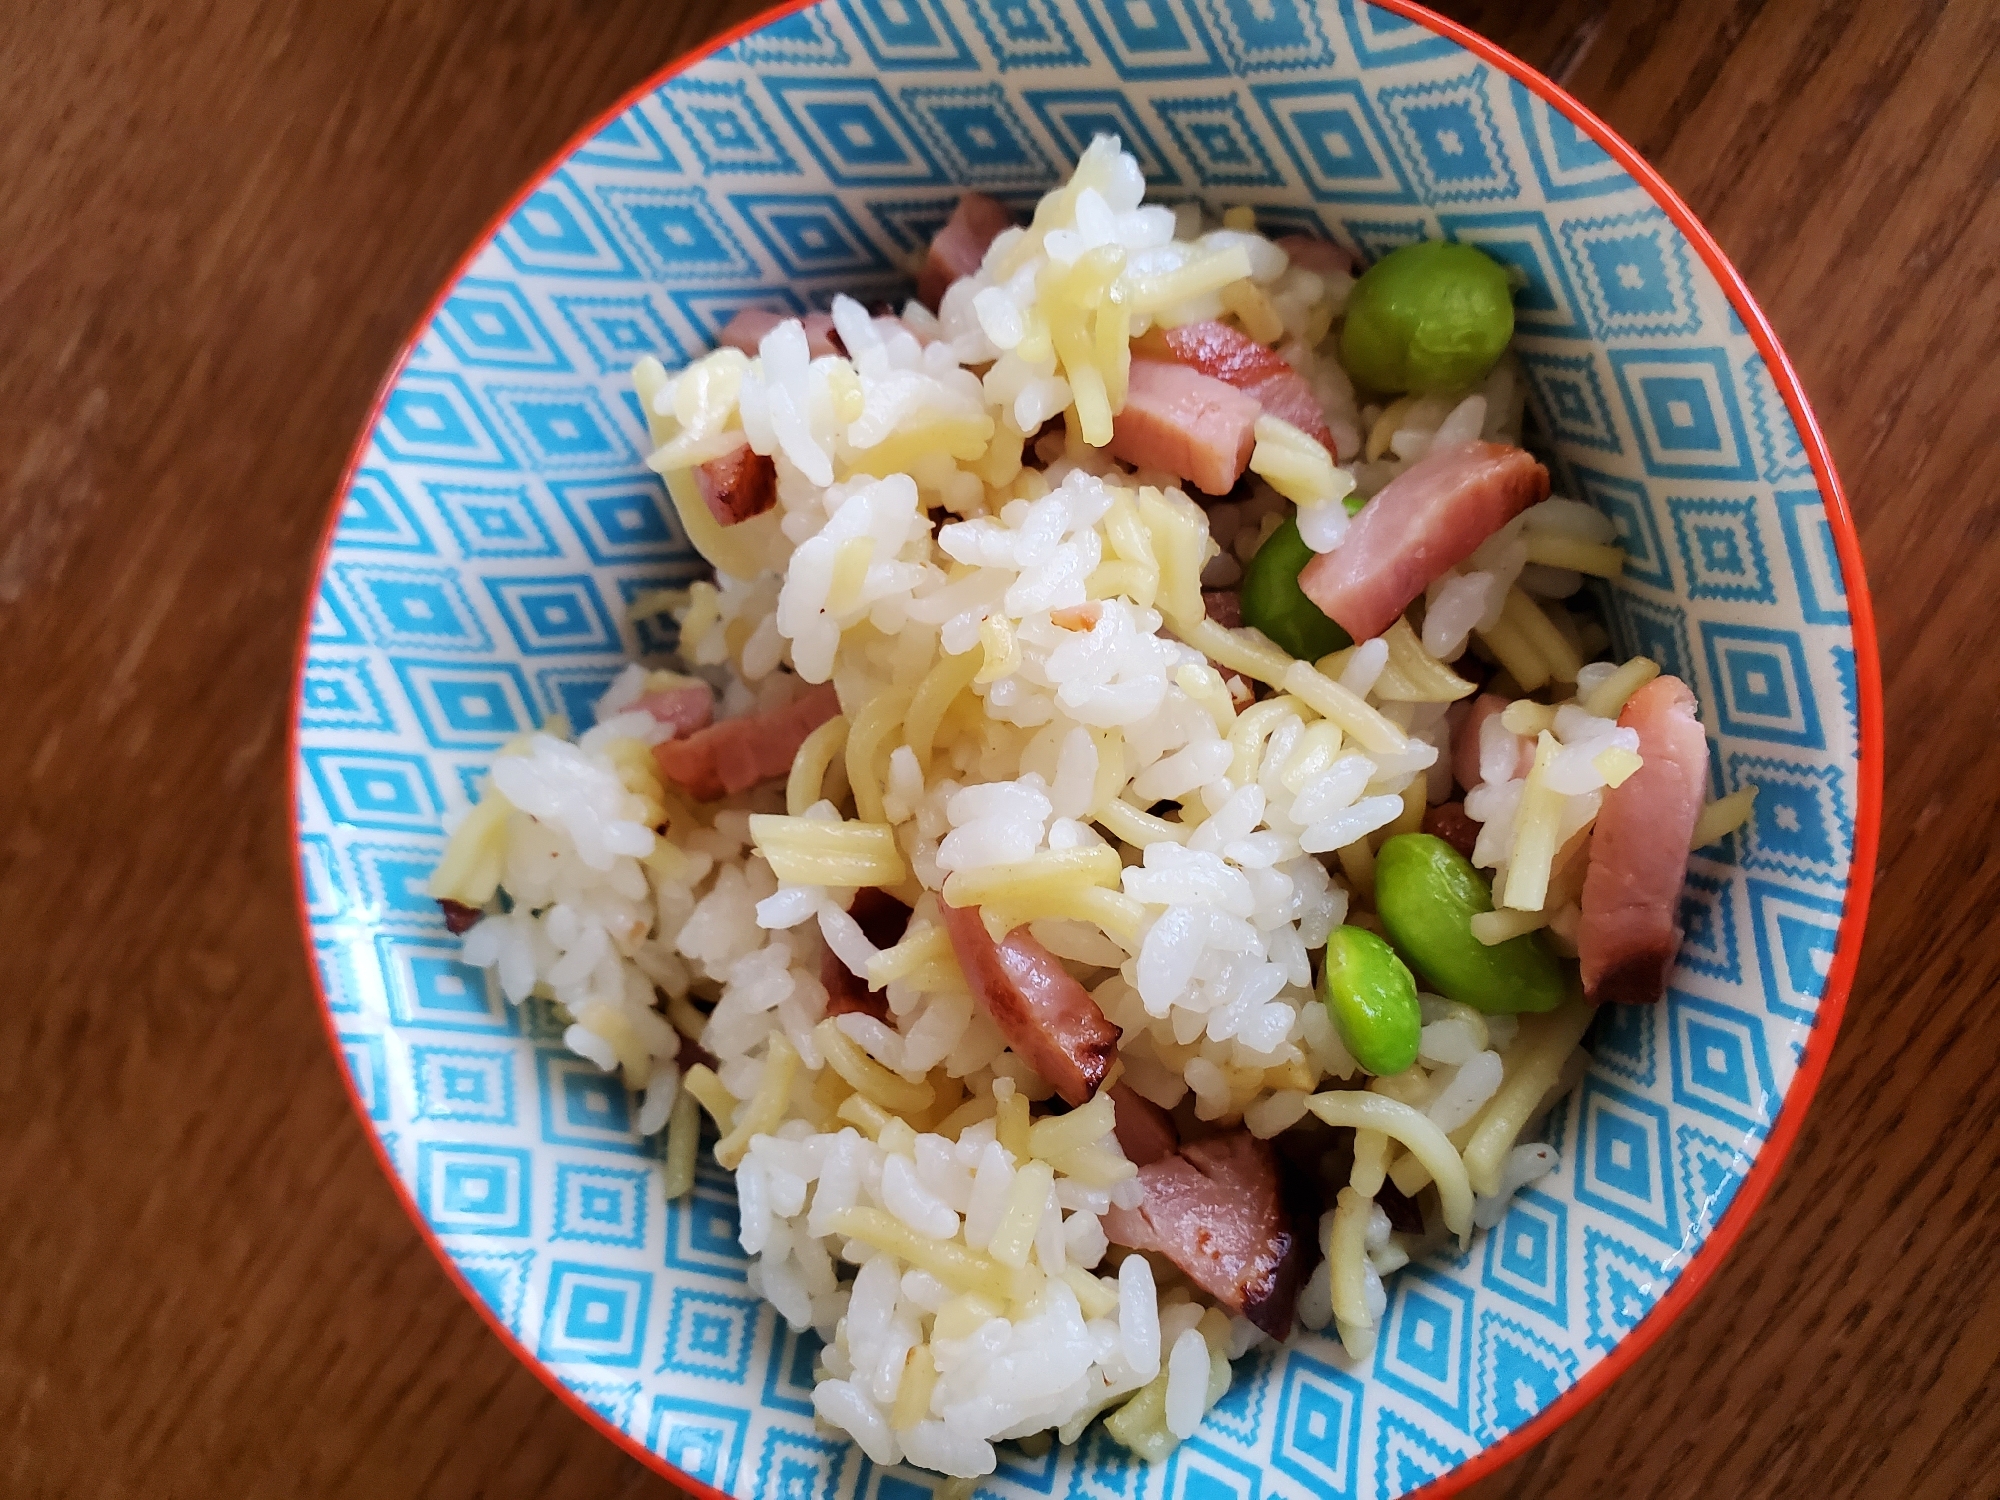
(1722, 550)
(500, 520)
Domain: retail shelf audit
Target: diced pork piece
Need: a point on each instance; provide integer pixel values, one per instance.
(1145, 1131)
(740, 484)
(1215, 1210)
(1047, 1017)
(458, 917)
(960, 246)
(1450, 822)
(1178, 419)
(1465, 742)
(882, 919)
(1321, 257)
(1631, 929)
(746, 331)
(1234, 358)
(1224, 606)
(738, 753)
(687, 703)
(1426, 520)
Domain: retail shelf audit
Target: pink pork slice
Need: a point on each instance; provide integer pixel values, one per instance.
(1046, 1016)
(960, 246)
(1321, 257)
(742, 483)
(1215, 1210)
(1178, 419)
(1145, 1132)
(1426, 520)
(688, 705)
(1465, 741)
(1234, 358)
(738, 753)
(746, 331)
(1631, 930)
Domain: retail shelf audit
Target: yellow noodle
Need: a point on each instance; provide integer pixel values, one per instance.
(1118, 914)
(1384, 430)
(1139, 829)
(1112, 580)
(684, 1018)
(913, 1391)
(1179, 532)
(1244, 651)
(1357, 863)
(701, 1082)
(1027, 1201)
(924, 943)
(1511, 649)
(978, 1107)
(1204, 684)
(1616, 765)
(805, 851)
(963, 438)
(1359, 1110)
(1093, 1297)
(1421, 677)
(952, 1263)
(1011, 1124)
(1056, 1136)
(1296, 466)
(1539, 631)
(1411, 818)
(763, 1111)
(1492, 927)
(1525, 716)
(1000, 653)
(1371, 1153)
(870, 729)
(1113, 336)
(1533, 1064)
(863, 1113)
(1347, 709)
(1252, 728)
(609, 1022)
(1722, 816)
(1610, 696)
(816, 752)
(1092, 401)
(1595, 558)
(850, 573)
(870, 1079)
(683, 1143)
(1535, 826)
(1254, 311)
(948, 677)
(1316, 750)
(1189, 280)
(1347, 1258)
(1044, 875)
(476, 854)
(1110, 778)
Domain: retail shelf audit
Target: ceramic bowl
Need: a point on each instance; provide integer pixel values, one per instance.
(496, 518)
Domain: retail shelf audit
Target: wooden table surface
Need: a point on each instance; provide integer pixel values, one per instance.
(219, 221)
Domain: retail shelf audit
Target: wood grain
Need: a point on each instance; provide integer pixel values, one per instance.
(218, 223)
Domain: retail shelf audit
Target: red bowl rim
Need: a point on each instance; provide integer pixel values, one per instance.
(1867, 824)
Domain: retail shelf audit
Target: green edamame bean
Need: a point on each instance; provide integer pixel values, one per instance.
(1372, 997)
(1427, 894)
(1274, 603)
(1427, 317)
